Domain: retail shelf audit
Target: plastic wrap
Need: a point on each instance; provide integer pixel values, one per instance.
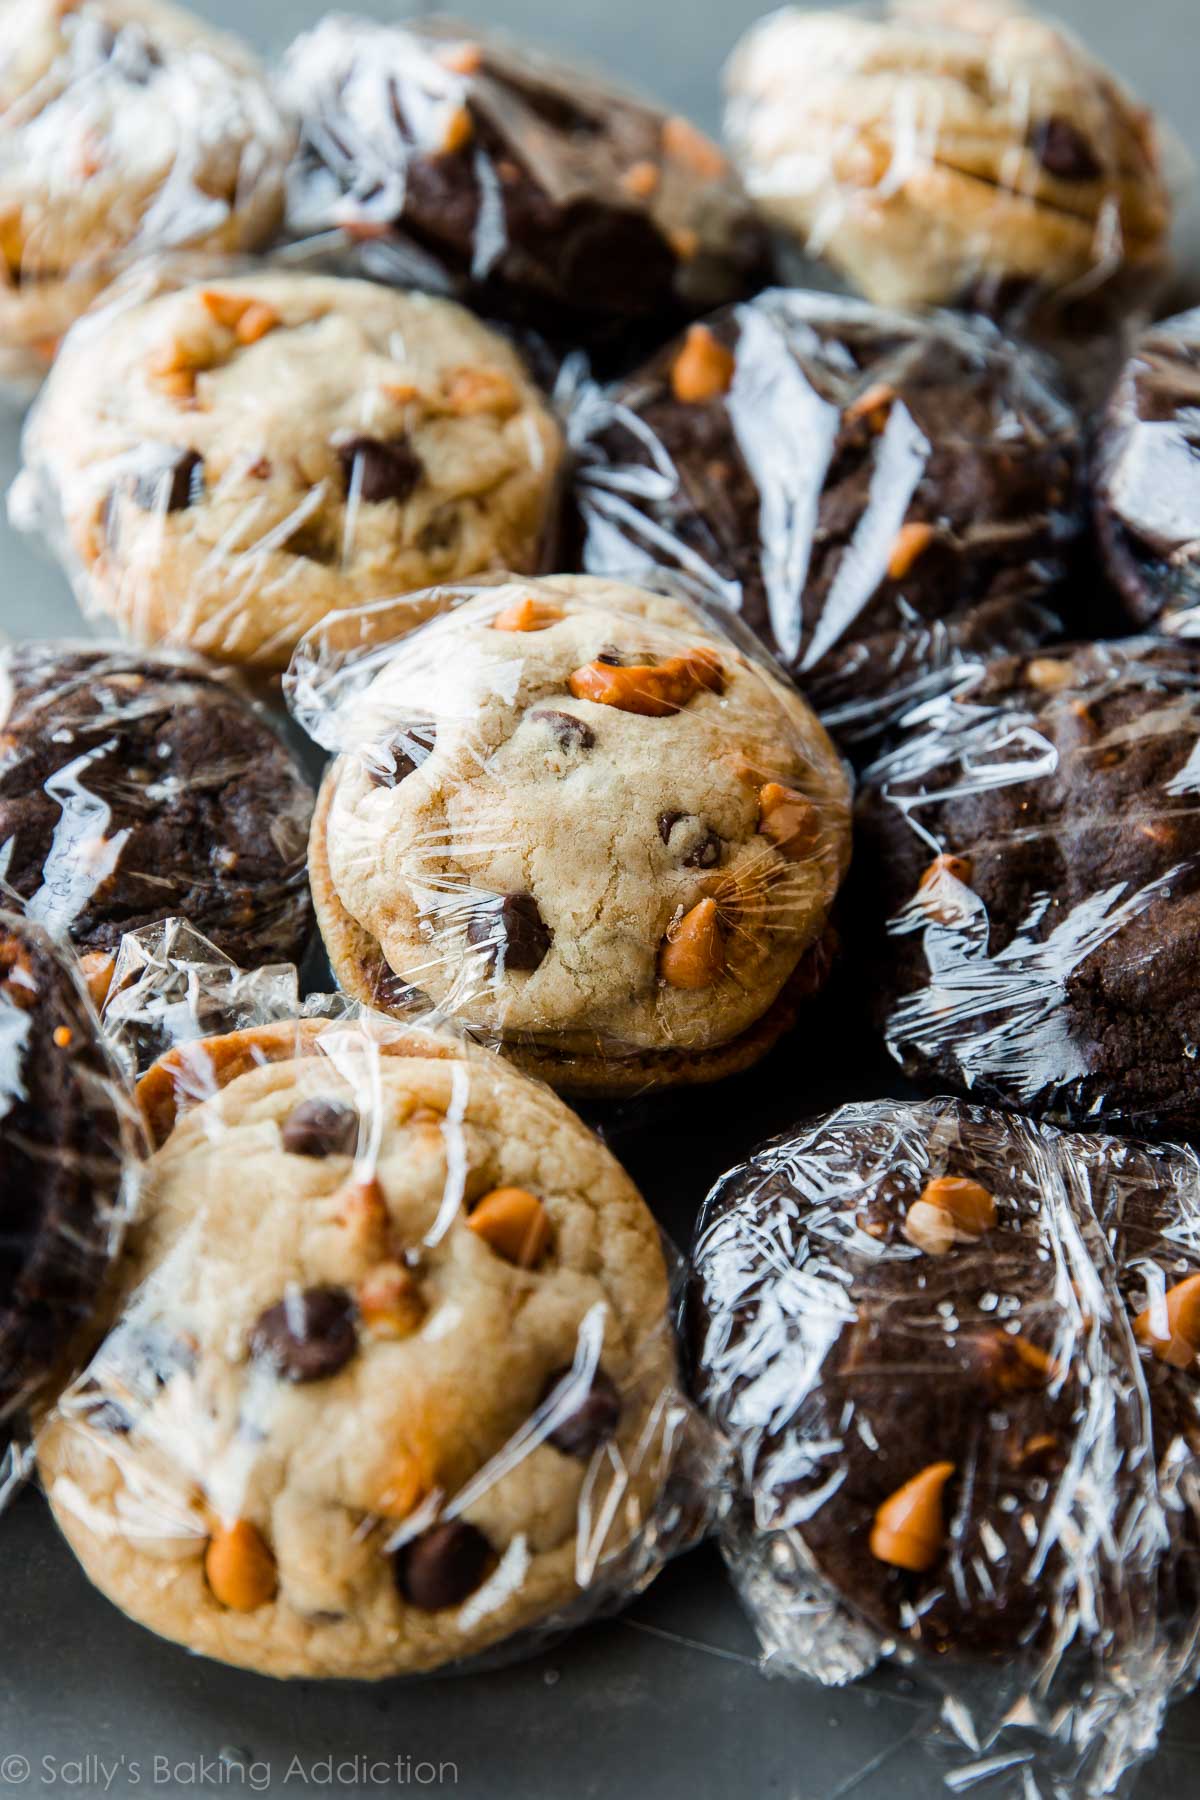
(953, 152)
(69, 1142)
(133, 787)
(126, 127)
(437, 158)
(222, 457)
(947, 1348)
(406, 1397)
(1147, 486)
(1030, 886)
(879, 496)
(578, 817)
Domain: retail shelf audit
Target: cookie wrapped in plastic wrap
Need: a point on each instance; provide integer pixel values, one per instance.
(1147, 479)
(69, 1144)
(953, 153)
(134, 787)
(879, 496)
(579, 817)
(222, 456)
(407, 1395)
(1030, 893)
(935, 1337)
(126, 127)
(439, 158)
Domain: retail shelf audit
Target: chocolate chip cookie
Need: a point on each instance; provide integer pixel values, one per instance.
(879, 496)
(411, 1391)
(1030, 859)
(134, 788)
(229, 463)
(578, 817)
(126, 126)
(909, 1320)
(67, 1140)
(470, 166)
(951, 154)
(1147, 482)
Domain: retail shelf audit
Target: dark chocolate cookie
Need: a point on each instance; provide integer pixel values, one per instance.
(1147, 487)
(879, 496)
(908, 1321)
(1029, 870)
(532, 189)
(65, 1134)
(133, 788)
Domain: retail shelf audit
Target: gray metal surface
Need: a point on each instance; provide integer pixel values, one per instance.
(665, 1703)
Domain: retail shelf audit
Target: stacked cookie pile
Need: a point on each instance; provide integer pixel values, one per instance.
(592, 555)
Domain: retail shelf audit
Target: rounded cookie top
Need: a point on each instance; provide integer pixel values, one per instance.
(1030, 857)
(574, 813)
(544, 193)
(949, 154)
(907, 1319)
(1147, 489)
(134, 788)
(66, 1142)
(234, 461)
(877, 494)
(128, 125)
(409, 1390)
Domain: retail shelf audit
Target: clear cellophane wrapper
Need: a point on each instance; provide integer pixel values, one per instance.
(880, 497)
(336, 1429)
(129, 128)
(963, 153)
(587, 820)
(70, 1147)
(436, 157)
(1034, 1371)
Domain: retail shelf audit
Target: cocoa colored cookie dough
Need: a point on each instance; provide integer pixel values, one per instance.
(134, 788)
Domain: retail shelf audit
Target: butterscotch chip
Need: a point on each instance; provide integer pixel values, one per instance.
(1170, 1325)
(910, 1527)
(460, 129)
(912, 541)
(789, 819)
(682, 141)
(693, 953)
(702, 369)
(240, 1568)
(530, 614)
(641, 179)
(514, 1224)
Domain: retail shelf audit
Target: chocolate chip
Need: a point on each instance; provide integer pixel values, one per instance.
(309, 1335)
(390, 989)
(172, 484)
(442, 1566)
(321, 1128)
(1063, 151)
(385, 471)
(591, 1421)
(610, 656)
(512, 930)
(389, 764)
(569, 732)
(704, 854)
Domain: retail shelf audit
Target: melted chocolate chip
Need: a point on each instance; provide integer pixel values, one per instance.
(390, 989)
(1063, 151)
(308, 1336)
(704, 854)
(592, 1420)
(175, 482)
(512, 930)
(390, 764)
(321, 1128)
(610, 656)
(385, 471)
(569, 732)
(442, 1566)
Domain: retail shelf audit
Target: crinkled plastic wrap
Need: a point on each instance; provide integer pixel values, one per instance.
(1029, 886)
(393, 1384)
(587, 820)
(126, 127)
(879, 496)
(438, 158)
(953, 153)
(224, 453)
(1147, 485)
(954, 1356)
(136, 786)
(69, 1144)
